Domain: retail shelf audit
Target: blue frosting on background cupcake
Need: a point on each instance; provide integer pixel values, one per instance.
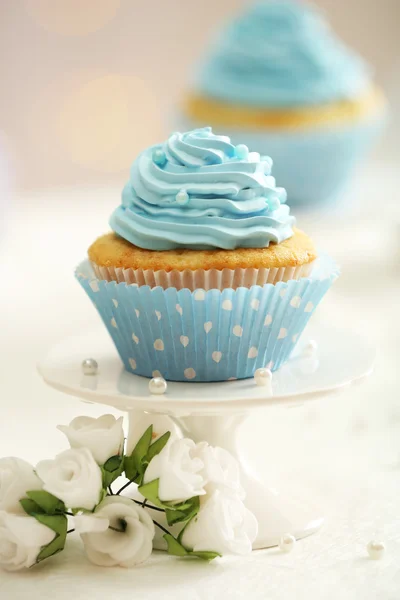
(282, 53)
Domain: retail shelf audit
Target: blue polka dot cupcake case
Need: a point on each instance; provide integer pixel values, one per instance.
(205, 277)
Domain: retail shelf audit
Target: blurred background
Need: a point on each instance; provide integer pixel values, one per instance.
(85, 85)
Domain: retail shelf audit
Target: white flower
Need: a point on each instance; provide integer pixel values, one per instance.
(222, 525)
(161, 424)
(179, 471)
(104, 436)
(74, 477)
(221, 470)
(21, 540)
(16, 478)
(108, 548)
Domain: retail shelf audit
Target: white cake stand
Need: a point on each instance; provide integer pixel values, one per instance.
(215, 411)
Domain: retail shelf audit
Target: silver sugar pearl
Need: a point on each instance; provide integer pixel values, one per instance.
(376, 550)
(263, 377)
(90, 366)
(157, 386)
(287, 542)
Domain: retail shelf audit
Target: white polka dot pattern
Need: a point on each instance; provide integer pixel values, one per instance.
(227, 305)
(238, 331)
(159, 345)
(309, 307)
(184, 340)
(295, 301)
(253, 352)
(189, 373)
(216, 356)
(255, 304)
(208, 326)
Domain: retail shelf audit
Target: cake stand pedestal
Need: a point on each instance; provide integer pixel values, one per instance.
(214, 412)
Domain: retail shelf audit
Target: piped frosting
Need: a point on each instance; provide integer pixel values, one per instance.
(199, 191)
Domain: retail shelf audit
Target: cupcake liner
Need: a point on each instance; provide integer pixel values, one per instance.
(200, 335)
(202, 279)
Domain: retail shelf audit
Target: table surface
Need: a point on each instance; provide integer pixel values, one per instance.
(345, 449)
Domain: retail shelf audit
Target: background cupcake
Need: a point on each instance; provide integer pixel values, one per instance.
(279, 80)
(204, 278)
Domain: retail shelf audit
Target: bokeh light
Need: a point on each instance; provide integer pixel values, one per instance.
(72, 17)
(105, 122)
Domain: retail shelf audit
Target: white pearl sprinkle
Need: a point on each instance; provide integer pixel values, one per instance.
(157, 386)
(242, 152)
(376, 550)
(182, 198)
(263, 377)
(287, 542)
(310, 348)
(89, 366)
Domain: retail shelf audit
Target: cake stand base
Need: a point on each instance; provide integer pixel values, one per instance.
(214, 412)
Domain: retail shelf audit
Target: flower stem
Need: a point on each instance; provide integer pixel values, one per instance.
(142, 504)
(161, 527)
(124, 487)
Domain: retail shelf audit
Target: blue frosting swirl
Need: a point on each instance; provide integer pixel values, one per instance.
(281, 53)
(199, 191)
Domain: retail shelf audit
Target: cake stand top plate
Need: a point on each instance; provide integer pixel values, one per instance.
(341, 358)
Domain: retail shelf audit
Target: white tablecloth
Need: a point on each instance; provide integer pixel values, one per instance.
(344, 450)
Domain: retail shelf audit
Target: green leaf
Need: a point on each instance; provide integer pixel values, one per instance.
(47, 502)
(174, 516)
(112, 469)
(157, 446)
(205, 554)
(113, 463)
(30, 506)
(177, 549)
(142, 447)
(150, 492)
(59, 525)
(174, 547)
(130, 468)
(194, 507)
(134, 464)
(183, 512)
(175, 513)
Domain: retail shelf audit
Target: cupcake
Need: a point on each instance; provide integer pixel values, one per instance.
(281, 82)
(204, 276)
